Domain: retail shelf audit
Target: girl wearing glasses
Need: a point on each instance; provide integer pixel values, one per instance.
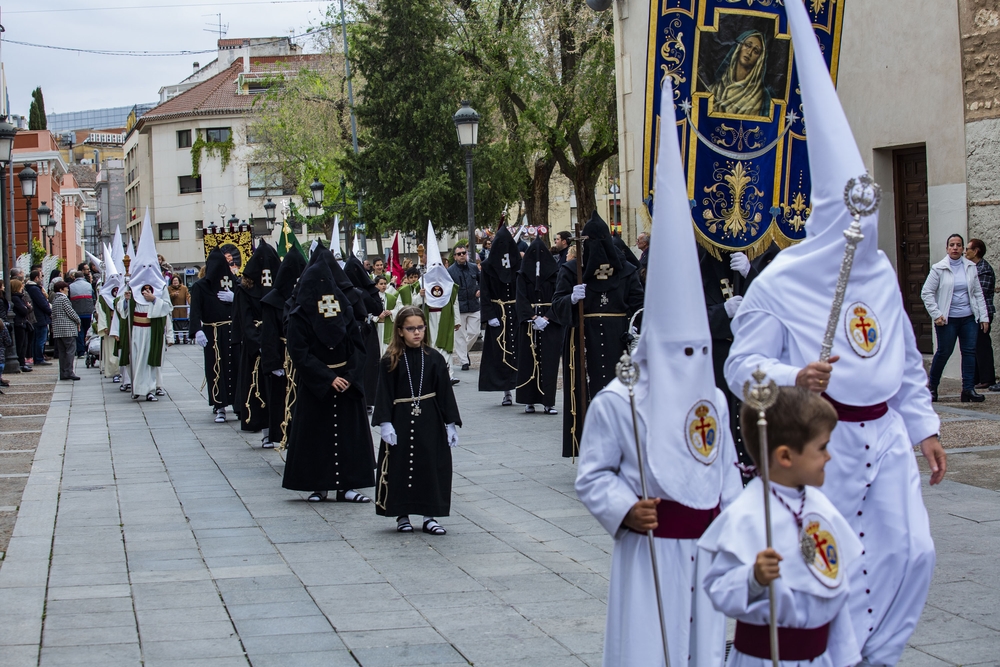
(415, 409)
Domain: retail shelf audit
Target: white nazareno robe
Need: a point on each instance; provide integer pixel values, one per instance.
(806, 597)
(144, 375)
(608, 484)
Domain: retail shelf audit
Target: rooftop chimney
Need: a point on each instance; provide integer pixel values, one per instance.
(195, 65)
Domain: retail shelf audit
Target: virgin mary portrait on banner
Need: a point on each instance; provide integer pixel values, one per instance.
(739, 87)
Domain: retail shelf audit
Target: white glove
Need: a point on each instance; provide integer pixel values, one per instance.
(739, 262)
(388, 433)
(452, 435)
(579, 292)
(278, 373)
(225, 295)
(733, 305)
(201, 338)
(539, 323)
(493, 322)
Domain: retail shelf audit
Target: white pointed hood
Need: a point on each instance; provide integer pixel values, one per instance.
(356, 248)
(677, 395)
(112, 278)
(118, 250)
(335, 242)
(798, 288)
(130, 253)
(436, 279)
(145, 267)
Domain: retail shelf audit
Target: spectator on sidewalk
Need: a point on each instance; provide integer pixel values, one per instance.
(23, 332)
(43, 316)
(180, 299)
(65, 327)
(466, 277)
(5, 337)
(81, 295)
(985, 377)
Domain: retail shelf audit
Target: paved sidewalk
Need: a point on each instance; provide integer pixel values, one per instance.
(150, 535)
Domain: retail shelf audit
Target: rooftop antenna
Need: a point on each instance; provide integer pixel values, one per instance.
(218, 27)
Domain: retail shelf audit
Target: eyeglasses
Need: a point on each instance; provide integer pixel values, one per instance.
(417, 329)
(460, 254)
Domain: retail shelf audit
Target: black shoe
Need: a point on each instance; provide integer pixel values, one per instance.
(74, 377)
(465, 367)
(972, 397)
(4, 383)
(455, 381)
(934, 396)
(995, 387)
(43, 363)
(25, 369)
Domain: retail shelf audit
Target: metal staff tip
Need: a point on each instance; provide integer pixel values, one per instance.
(627, 371)
(758, 395)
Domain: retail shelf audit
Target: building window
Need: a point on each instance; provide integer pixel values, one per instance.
(183, 138)
(258, 87)
(199, 229)
(189, 184)
(169, 231)
(266, 180)
(219, 135)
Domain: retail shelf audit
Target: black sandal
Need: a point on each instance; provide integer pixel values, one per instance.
(550, 410)
(150, 397)
(317, 497)
(507, 400)
(403, 525)
(266, 443)
(529, 409)
(358, 497)
(432, 527)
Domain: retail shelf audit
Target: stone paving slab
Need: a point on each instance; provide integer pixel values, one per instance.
(150, 535)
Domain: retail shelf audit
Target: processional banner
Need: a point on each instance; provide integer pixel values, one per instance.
(738, 112)
(236, 246)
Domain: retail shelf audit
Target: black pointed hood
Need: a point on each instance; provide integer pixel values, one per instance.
(625, 252)
(262, 269)
(217, 271)
(538, 263)
(291, 268)
(505, 258)
(322, 303)
(602, 263)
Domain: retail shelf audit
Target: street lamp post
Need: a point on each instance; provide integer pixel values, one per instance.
(7, 132)
(467, 123)
(269, 210)
(50, 228)
(44, 217)
(29, 185)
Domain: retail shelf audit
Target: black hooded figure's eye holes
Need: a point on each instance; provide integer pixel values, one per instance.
(704, 350)
(689, 351)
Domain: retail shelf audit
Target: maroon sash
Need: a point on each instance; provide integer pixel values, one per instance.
(858, 413)
(680, 522)
(793, 643)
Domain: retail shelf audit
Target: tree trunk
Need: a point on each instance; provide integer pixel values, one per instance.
(585, 185)
(538, 201)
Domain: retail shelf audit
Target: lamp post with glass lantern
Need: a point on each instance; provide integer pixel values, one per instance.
(44, 216)
(467, 123)
(7, 132)
(29, 185)
(269, 210)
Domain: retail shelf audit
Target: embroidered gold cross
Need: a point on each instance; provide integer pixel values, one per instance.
(727, 289)
(604, 272)
(265, 277)
(328, 306)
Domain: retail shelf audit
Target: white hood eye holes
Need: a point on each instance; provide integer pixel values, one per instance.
(689, 351)
(704, 350)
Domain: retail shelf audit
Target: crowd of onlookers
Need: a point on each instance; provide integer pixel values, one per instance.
(57, 311)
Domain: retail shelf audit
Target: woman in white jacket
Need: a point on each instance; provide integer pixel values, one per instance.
(954, 299)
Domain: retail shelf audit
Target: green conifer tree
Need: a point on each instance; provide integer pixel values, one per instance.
(36, 113)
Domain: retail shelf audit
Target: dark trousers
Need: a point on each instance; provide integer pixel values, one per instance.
(81, 347)
(22, 342)
(965, 330)
(41, 338)
(985, 368)
(66, 351)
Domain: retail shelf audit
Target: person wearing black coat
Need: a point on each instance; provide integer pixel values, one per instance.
(43, 317)
(23, 334)
(330, 443)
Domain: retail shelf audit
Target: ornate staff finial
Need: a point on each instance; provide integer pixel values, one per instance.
(627, 371)
(758, 395)
(862, 196)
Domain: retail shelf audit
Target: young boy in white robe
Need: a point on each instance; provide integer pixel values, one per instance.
(814, 547)
(149, 321)
(689, 453)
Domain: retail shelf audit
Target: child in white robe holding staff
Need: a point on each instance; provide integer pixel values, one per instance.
(814, 547)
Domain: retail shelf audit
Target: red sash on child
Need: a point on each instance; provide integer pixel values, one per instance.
(793, 643)
(680, 522)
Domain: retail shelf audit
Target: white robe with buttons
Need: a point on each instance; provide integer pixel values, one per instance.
(608, 484)
(733, 542)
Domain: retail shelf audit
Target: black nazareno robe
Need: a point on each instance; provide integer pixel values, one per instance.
(614, 294)
(272, 349)
(720, 283)
(214, 318)
(498, 289)
(414, 475)
(538, 352)
(330, 444)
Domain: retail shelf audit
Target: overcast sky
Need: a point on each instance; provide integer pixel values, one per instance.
(73, 81)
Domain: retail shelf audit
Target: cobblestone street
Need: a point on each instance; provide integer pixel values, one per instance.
(147, 534)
